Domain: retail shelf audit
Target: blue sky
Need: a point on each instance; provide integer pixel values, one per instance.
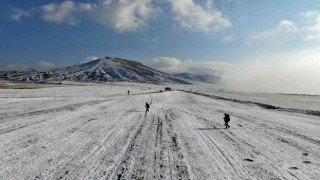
(171, 35)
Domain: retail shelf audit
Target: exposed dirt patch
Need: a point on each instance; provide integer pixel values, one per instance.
(20, 86)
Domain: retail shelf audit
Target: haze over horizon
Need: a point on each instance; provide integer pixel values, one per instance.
(261, 46)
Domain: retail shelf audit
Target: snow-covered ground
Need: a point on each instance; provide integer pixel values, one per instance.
(99, 132)
(287, 101)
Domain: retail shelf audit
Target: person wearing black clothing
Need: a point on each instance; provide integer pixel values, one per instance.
(147, 107)
(226, 120)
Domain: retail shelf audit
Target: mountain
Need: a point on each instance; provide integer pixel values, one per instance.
(201, 78)
(104, 70)
(21, 75)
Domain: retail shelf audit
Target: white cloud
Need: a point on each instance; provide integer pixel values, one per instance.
(287, 72)
(89, 58)
(214, 65)
(164, 62)
(17, 14)
(66, 12)
(121, 15)
(16, 66)
(313, 16)
(125, 15)
(174, 65)
(168, 64)
(44, 65)
(86, 6)
(209, 4)
(227, 39)
(287, 26)
(283, 29)
(310, 31)
(313, 33)
(196, 17)
(153, 42)
(130, 15)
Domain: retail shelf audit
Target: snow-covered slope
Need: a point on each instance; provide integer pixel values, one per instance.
(105, 70)
(99, 132)
(27, 75)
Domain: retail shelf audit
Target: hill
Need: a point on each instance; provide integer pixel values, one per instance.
(103, 70)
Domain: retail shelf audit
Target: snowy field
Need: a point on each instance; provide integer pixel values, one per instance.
(99, 132)
(286, 101)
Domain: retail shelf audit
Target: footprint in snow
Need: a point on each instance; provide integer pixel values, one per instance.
(249, 160)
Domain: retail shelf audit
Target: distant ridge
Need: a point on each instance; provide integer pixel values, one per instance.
(201, 78)
(107, 69)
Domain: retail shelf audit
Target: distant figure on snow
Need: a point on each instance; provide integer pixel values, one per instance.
(147, 107)
(128, 92)
(226, 120)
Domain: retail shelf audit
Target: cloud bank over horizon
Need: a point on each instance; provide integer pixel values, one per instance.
(174, 65)
(288, 72)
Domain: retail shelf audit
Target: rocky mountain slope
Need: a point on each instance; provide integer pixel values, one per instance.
(104, 70)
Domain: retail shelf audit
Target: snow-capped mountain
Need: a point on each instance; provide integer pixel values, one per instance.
(201, 78)
(104, 70)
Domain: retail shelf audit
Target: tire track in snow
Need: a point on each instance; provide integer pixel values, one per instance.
(68, 161)
(99, 156)
(244, 146)
(166, 154)
(70, 107)
(102, 160)
(283, 134)
(276, 168)
(181, 166)
(11, 142)
(46, 111)
(218, 152)
(119, 170)
(233, 139)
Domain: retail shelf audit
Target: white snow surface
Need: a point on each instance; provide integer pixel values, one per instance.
(100, 132)
(287, 101)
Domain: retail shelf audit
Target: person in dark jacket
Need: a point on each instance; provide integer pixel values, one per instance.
(147, 107)
(226, 120)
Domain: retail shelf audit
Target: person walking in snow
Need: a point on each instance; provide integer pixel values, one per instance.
(147, 107)
(226, 120)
